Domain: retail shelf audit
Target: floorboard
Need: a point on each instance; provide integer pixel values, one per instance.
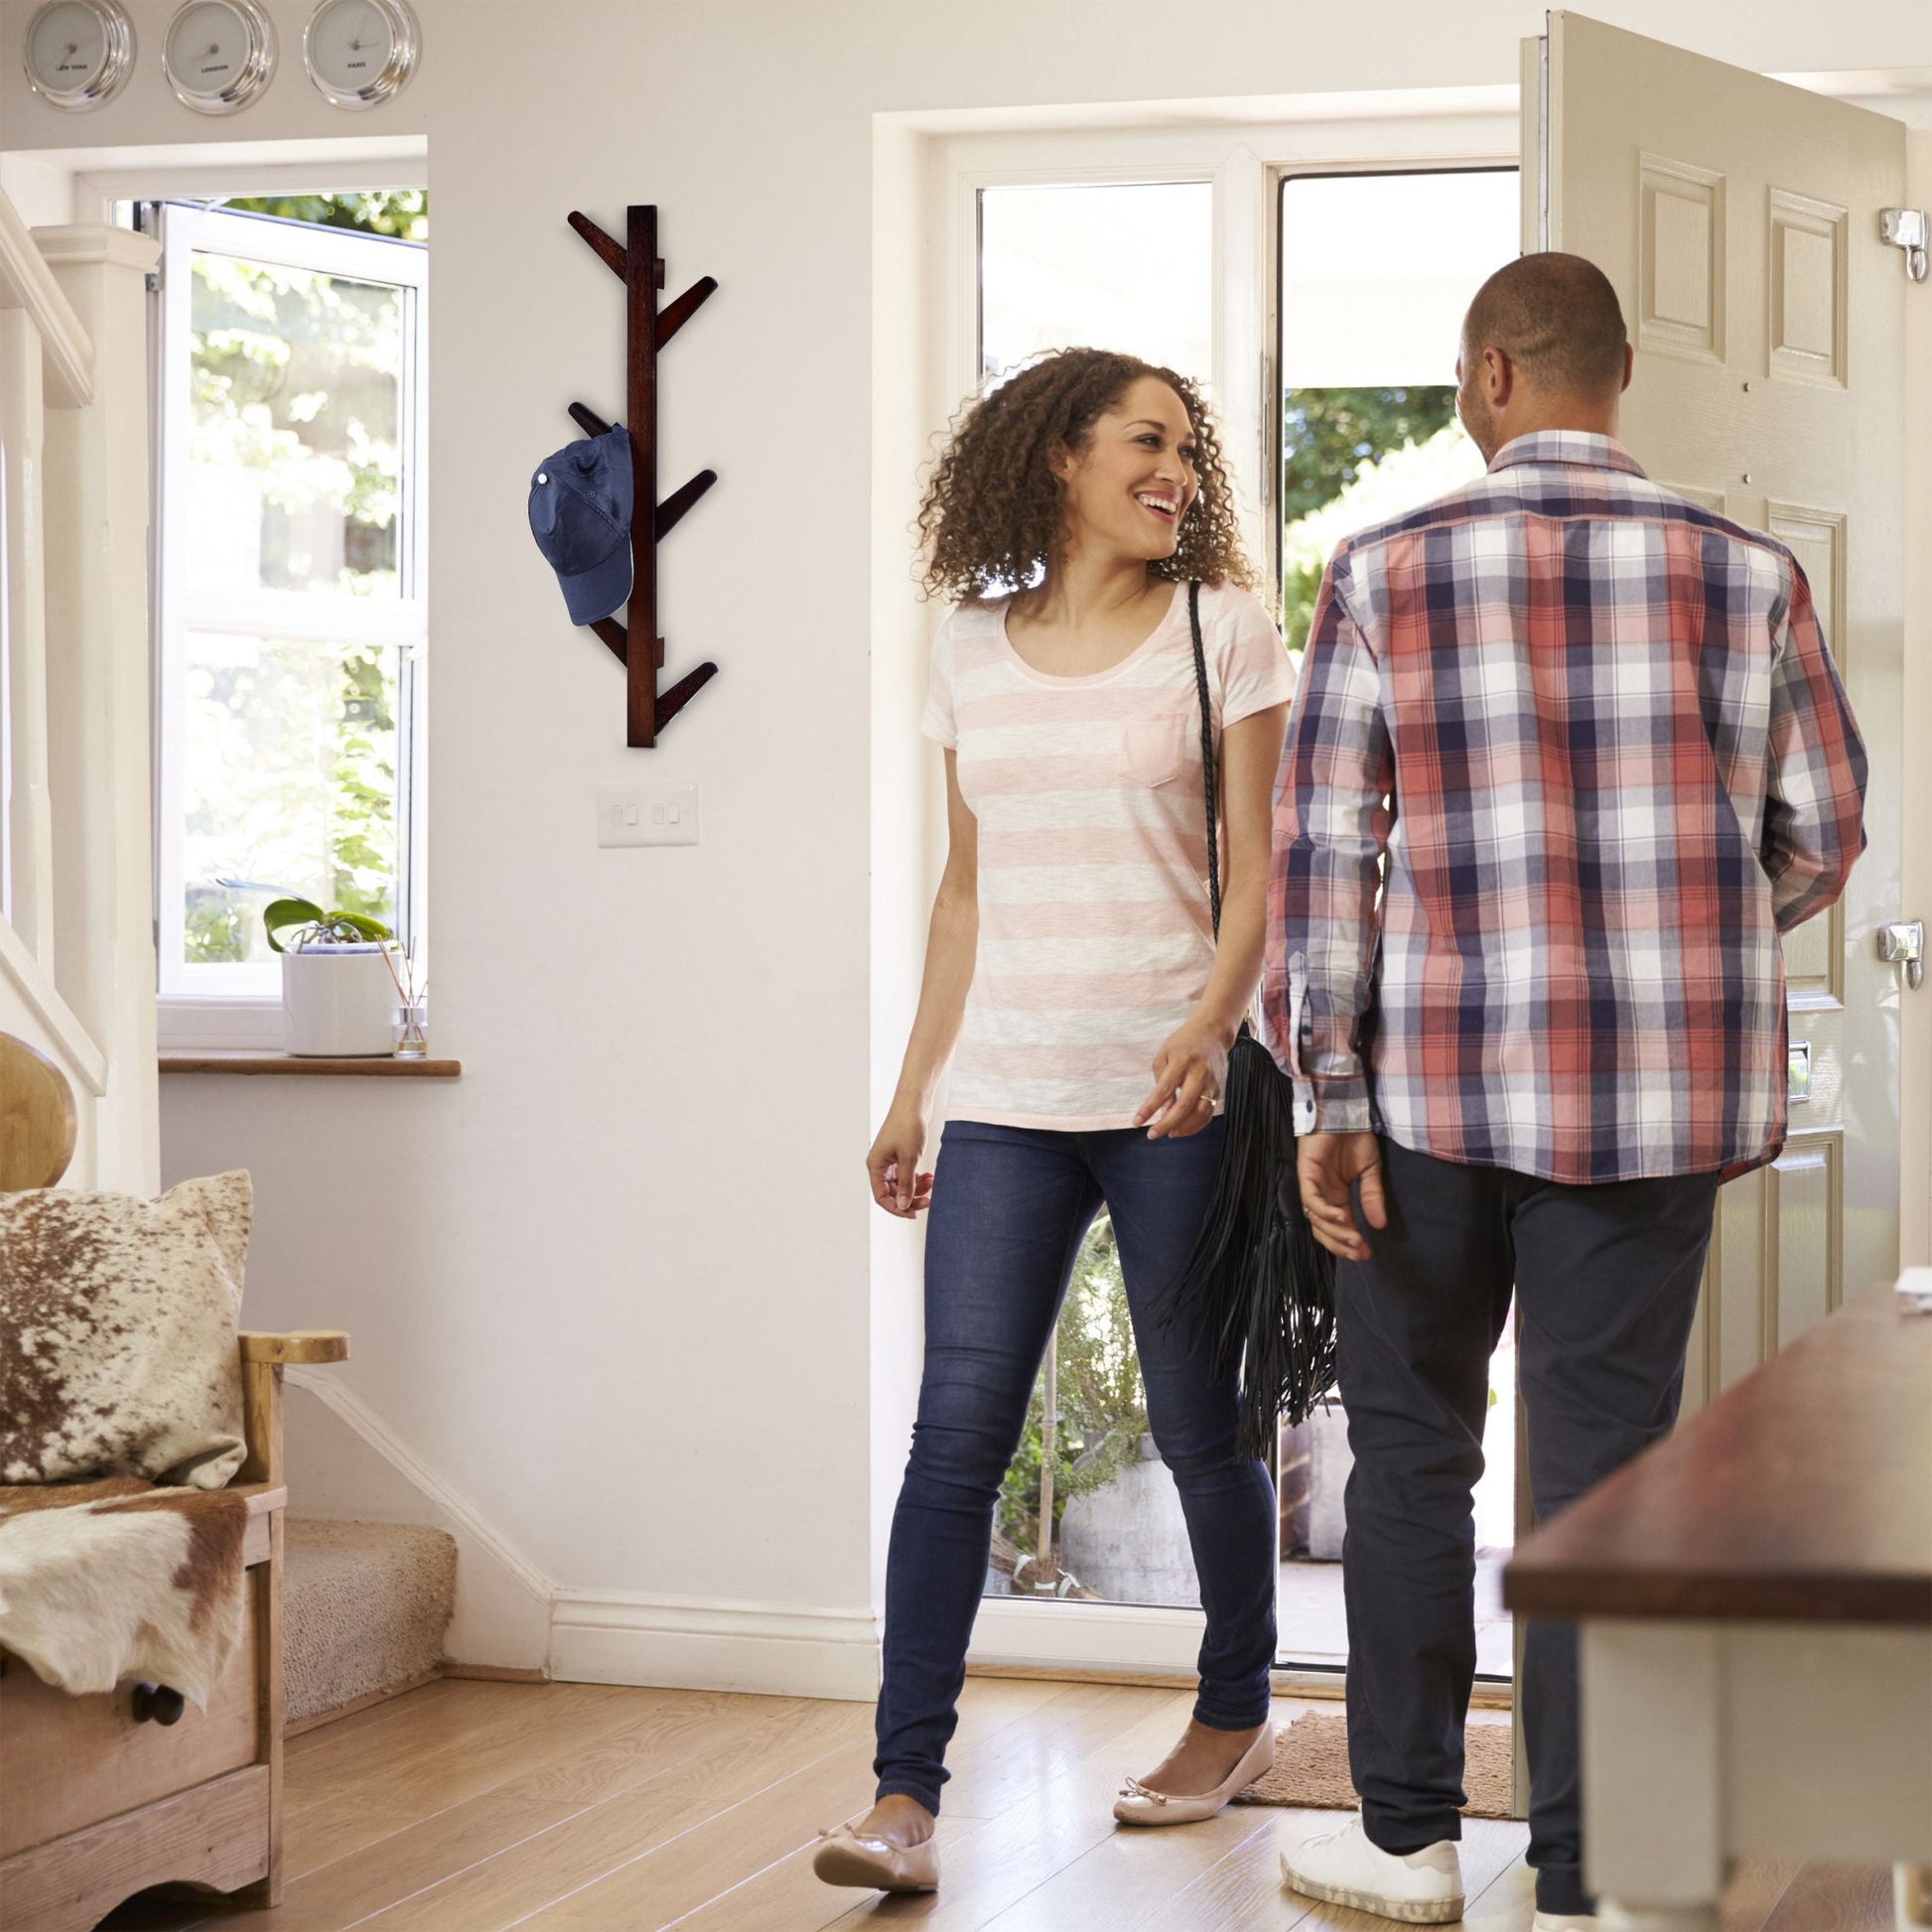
(473, 1806)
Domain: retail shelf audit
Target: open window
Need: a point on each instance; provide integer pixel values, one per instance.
(290, 606)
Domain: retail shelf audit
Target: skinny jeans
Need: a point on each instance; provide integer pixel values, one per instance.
(1010, 1210)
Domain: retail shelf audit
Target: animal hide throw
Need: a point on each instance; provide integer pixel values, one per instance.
(103, 1582)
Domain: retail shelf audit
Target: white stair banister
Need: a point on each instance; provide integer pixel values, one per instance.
(97, 690)
(27, 904)
(77, 948)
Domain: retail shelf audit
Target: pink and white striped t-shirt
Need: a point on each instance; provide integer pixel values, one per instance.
(1095, 937)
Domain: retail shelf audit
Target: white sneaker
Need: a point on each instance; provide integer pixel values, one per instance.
(1566, 1922)
(1344, 1869)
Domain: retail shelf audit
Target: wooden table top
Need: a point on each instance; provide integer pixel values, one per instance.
(1804, 1493)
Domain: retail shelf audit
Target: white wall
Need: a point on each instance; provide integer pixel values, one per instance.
(617, 1283)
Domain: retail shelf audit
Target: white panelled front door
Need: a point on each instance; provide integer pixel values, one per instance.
(1740, 221)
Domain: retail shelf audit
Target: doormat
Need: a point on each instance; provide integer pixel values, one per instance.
(1312, 1768)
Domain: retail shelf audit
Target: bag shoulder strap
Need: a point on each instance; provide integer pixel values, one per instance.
(1207, 759)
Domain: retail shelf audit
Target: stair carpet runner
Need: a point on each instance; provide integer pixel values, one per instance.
(364, 1610)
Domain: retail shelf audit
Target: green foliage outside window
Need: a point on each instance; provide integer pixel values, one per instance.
(1330, 436)
(292, 748)
(400, 213)
(1329, 439)
(1102, 1404)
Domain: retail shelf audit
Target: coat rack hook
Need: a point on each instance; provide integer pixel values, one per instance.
(609, 252)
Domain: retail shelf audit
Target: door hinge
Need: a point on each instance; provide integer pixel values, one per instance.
(1907, 229)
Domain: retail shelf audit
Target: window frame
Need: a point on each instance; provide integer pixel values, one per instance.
(237, 1006)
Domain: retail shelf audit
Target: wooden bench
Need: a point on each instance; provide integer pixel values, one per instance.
(96, 1801)
(1754, 1602)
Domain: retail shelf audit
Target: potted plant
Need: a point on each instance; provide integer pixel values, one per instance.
(339, 984)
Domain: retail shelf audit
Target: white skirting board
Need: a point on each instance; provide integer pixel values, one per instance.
(624, 1637)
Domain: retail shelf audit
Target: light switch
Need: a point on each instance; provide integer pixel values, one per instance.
(649, 814)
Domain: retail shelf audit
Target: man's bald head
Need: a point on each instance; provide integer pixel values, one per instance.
(1543, 348)
(1556, 317)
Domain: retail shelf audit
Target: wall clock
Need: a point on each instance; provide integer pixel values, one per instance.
(361, 53)
(220, 53)
(80, 53)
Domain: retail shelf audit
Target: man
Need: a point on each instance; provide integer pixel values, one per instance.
(1597, 735)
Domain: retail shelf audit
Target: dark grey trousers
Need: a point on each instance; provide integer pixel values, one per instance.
(1607, 1280)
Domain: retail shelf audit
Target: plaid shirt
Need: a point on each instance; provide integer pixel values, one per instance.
(1595, 730)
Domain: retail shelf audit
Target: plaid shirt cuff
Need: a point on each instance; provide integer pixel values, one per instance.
(1333, 1106)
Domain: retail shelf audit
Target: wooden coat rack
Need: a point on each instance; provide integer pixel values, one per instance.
(637, 264)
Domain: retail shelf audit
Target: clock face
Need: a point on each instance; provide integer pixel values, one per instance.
(359, 53)
(78, 53)
(219, 54)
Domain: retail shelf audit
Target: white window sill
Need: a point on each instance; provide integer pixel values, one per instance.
(248, 1026)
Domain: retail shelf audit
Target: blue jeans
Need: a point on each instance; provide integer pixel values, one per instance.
(1010, 1209)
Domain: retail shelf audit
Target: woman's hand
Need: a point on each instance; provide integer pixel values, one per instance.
(1189, 1072)
(892, 1166)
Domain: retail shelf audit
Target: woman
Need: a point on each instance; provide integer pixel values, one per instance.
(1071, 959)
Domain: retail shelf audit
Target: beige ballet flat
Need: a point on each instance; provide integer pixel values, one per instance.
(844, 1857)
(1136, 1805)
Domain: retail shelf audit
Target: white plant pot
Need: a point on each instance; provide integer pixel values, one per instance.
(338, 1002)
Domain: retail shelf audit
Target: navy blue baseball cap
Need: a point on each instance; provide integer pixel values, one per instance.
(579, 515)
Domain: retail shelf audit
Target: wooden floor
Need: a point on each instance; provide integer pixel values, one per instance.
(474, 1806)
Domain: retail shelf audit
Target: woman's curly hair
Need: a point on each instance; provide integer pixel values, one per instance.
(993, 512)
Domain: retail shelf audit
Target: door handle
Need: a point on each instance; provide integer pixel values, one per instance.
(1904, 945)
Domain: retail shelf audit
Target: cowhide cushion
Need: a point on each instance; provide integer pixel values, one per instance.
(117, 1333)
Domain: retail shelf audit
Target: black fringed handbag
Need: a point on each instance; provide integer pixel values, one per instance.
(1258, 1288)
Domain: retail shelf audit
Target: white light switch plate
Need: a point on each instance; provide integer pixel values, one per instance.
(657, 814)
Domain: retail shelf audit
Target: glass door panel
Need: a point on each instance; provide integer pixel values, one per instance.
(1376, 271)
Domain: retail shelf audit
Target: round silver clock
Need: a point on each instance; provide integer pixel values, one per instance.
(361, 53)
(220, 53)
(78, 53)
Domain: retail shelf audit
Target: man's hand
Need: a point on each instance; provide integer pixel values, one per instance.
(1325, 1165)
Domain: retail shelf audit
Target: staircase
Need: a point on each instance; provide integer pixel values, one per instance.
(365, 1609)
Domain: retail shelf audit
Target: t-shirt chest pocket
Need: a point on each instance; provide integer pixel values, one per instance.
(1155, 747)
